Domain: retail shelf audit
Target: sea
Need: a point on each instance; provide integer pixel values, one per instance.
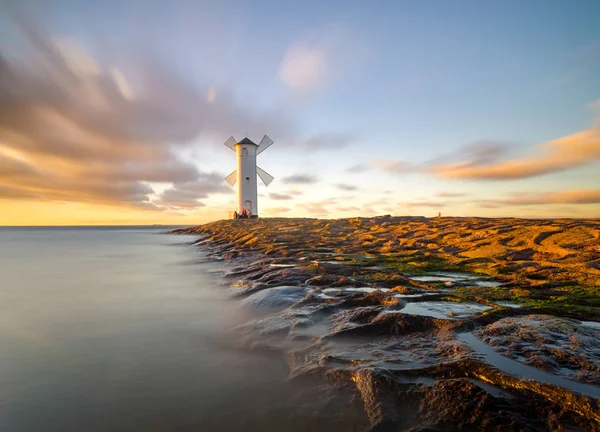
(129, 329)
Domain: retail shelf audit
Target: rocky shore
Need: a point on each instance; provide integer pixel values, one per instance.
(435, 324)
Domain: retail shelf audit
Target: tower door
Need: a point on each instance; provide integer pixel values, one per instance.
(248, 205)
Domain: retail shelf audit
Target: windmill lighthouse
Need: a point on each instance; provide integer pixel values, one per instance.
(245, 175)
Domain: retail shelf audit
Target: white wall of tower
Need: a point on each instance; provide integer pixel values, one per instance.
(246, 177)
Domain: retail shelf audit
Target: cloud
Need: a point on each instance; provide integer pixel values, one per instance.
(393, 166)
(328, 141)
(433, 204)
(277, 210)
(299, 179)
(346, 187)
(279, 197)
(564, 153)
(319, 207)
(304, 67)
(72, 129)
(320, 58)
(450, 194)
(574, 196)
(13, 193)
(353, 209)
(187, 195)
(378, 202)
(356, 169)
(476, 153)
(482, 160)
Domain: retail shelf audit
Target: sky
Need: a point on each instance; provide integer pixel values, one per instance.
(116, 112)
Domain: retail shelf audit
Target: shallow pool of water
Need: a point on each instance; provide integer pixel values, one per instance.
(442, 309)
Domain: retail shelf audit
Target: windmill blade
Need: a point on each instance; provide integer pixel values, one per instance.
(264, 144)
(230, 143)
(231, 178)
(264, 176)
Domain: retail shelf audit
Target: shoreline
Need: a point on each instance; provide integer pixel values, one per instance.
(559, 258)
(362, 297)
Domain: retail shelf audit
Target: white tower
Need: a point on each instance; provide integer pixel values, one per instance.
(245, 175)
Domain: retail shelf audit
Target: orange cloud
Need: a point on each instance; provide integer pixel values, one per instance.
(575, 196)
(568, 152)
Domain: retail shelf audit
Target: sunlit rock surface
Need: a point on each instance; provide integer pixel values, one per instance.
(432, 324)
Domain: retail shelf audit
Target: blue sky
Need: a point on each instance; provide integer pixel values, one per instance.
(401, 91)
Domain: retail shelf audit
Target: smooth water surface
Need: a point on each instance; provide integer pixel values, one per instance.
(124, 329)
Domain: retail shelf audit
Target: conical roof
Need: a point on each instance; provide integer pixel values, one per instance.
(247, 141)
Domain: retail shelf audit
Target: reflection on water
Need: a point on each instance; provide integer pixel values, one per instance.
(126, 329)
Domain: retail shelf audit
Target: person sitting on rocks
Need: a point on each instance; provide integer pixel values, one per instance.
(244, 214)
(235, 214)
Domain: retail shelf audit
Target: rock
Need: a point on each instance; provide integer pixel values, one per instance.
(519, 255)
(558, 345)
(274, 298)
(350, 318)
(329, 280)
(379, 396)
(460, 404)
(391, 324)
(400, 289)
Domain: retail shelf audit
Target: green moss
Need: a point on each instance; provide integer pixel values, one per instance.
(489, 293)
(416, 264)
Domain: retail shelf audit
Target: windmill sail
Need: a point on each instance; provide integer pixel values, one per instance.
(231, 178)
(264, 144)
(264, 176)
(230, 143)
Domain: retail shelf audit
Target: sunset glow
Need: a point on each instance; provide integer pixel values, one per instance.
(115, 112)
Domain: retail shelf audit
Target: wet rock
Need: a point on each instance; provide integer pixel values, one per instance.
(558, 407)
(460, 404)
(415, 350)
(391, 323)
(558, 345)
(370, 298)
(330, 281)
(379, 395)
(273, 298)
(284, 322)
(283, 276)
(400, 289)
(351, 334)
(350, 318)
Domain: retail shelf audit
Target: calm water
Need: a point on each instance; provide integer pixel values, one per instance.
(126, 329)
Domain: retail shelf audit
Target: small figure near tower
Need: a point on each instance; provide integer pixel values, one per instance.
(245, 175)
